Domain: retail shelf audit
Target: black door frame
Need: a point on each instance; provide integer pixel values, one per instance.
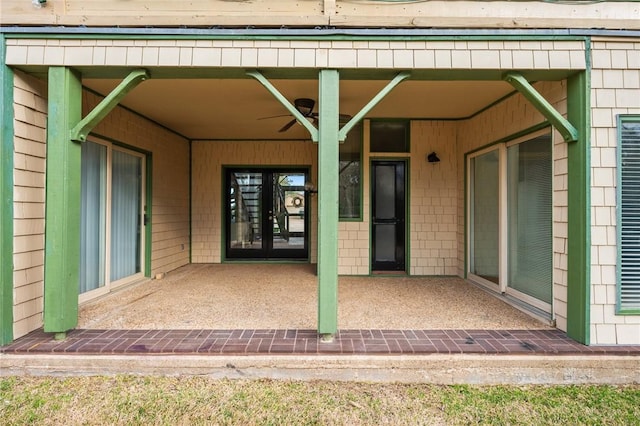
(267, 252)
(400, 263)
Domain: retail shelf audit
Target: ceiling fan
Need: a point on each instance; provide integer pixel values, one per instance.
(305, 106)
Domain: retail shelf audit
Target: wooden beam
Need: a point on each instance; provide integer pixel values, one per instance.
(566, 129)
(328, 181)
(80, 132)
(285, 102)
(62, 233)
(371, 104)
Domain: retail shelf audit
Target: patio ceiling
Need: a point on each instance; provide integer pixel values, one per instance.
(232, 109)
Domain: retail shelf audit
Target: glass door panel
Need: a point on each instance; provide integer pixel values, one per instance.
(126, 215)
(93, 220)
(388, 216)
(485, 207)
(529, 166)
(245, 210)
(288, 211)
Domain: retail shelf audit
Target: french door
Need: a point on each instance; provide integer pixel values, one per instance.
(112, 218)
(266, 214)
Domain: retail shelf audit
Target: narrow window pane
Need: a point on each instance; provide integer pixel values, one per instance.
(485, 216)
(245, 198)
(92, 216)
(389, 136)
(350, 175)
(529, 184)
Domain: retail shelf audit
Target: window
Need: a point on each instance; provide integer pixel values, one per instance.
(629, 214)
(350, 192)
(389, 136)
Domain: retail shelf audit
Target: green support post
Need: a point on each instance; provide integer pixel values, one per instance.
(6, 192)
(328, 170)
(579, 233)
(62, 233)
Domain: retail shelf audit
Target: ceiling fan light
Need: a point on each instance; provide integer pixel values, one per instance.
(304, 105)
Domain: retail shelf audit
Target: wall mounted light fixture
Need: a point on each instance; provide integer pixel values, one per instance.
(38, 3)
(433, 158)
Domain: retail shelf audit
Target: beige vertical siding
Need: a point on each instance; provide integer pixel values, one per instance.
(170, 181)
(512, 115)
(30, 109)
(207, 164)
(615, 89)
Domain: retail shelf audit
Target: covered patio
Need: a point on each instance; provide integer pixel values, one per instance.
(284, 296)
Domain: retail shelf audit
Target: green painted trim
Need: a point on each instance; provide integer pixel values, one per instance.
(80, 132)
(62, 234)
(328, 212)
(148, 228)
(285, 103)
(620, 310)
(342, 135)
(569, 133)
(546, 35)
(6, 193)
(579, 214)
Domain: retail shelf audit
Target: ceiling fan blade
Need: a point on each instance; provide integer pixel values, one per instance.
(287, 126)
(274, 116)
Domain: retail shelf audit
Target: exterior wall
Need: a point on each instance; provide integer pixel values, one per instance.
(208, 160)
(434, 199)
(325, 13)
(170, 181)
(615, 89)
(30, 109)
(507, 118)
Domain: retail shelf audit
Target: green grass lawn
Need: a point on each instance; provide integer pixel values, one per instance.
(134, 400)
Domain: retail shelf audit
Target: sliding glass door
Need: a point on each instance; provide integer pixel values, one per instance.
(111, 226)
(510, 219)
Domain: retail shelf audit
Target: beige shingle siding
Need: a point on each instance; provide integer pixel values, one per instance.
(305, 54)
(30, 107)
(615, 89)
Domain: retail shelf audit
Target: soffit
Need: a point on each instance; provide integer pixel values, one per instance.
(224, 109)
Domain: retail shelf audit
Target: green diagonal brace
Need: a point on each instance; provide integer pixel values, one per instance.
(80, 132)
(566, 129)
(285, 102)
(342, 135)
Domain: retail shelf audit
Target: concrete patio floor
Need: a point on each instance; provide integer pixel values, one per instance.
(284, 296)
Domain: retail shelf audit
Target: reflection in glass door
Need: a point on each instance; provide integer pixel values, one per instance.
(266, 214)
